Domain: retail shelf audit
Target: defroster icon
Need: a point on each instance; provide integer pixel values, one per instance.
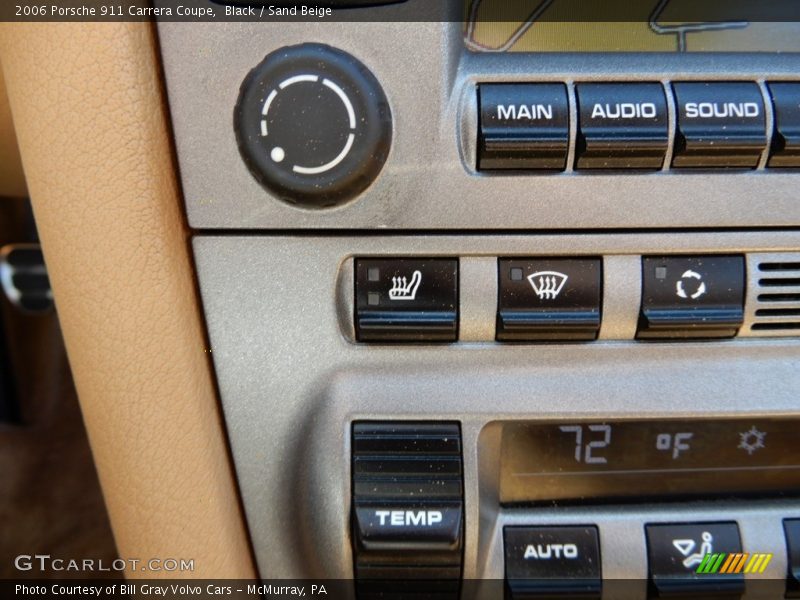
(547, 284)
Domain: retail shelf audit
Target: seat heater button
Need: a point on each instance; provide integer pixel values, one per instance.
(406, 300)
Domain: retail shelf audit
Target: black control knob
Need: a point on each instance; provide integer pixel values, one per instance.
(313, 125)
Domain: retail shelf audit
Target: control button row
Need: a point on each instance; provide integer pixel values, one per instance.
(626, 125)
(685, 560)
(549, 299)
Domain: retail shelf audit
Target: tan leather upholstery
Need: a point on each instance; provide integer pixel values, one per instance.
(88, 107)
(12, 179)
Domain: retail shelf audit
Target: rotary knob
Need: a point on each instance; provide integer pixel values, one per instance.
(313, 125)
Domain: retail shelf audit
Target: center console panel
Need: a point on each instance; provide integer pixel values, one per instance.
(630, 294)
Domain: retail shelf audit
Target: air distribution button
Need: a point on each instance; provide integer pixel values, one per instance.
(792, 529)
(692, 296)
(313, 125)
(688, 560)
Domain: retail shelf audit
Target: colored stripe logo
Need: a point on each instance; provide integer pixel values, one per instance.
(731, 563)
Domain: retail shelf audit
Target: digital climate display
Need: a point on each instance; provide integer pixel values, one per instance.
(643, 459)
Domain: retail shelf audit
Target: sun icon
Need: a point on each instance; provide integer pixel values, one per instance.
(751, 440)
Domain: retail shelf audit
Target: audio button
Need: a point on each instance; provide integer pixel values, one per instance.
(622, 125)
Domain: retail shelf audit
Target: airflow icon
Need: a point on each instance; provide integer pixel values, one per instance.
(547, 284)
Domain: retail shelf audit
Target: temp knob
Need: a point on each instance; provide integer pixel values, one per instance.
(313, 125)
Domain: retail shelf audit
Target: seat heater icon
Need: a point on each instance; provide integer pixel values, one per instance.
(402, 289)
(547, 284)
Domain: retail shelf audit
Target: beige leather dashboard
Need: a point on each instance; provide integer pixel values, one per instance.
(88, 106)
(12, 179)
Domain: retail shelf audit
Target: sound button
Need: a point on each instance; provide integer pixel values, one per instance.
(720, 124)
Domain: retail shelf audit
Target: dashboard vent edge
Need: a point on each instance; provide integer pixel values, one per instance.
(772, 303)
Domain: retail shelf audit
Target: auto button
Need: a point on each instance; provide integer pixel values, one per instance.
(552, 562)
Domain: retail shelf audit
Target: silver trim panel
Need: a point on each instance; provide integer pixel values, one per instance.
(291, 383)
(429, 180)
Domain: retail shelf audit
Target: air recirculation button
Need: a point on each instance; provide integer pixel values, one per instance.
(407, 509)
(313, 125)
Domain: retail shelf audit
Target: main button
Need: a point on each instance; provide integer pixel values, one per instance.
(543, 299)
(683, 560)
(407, 300)
(552, 562)
(622, 126)
(692, 296)
(523, 126)
(786, 138)
(792, 529)
(719, 125)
